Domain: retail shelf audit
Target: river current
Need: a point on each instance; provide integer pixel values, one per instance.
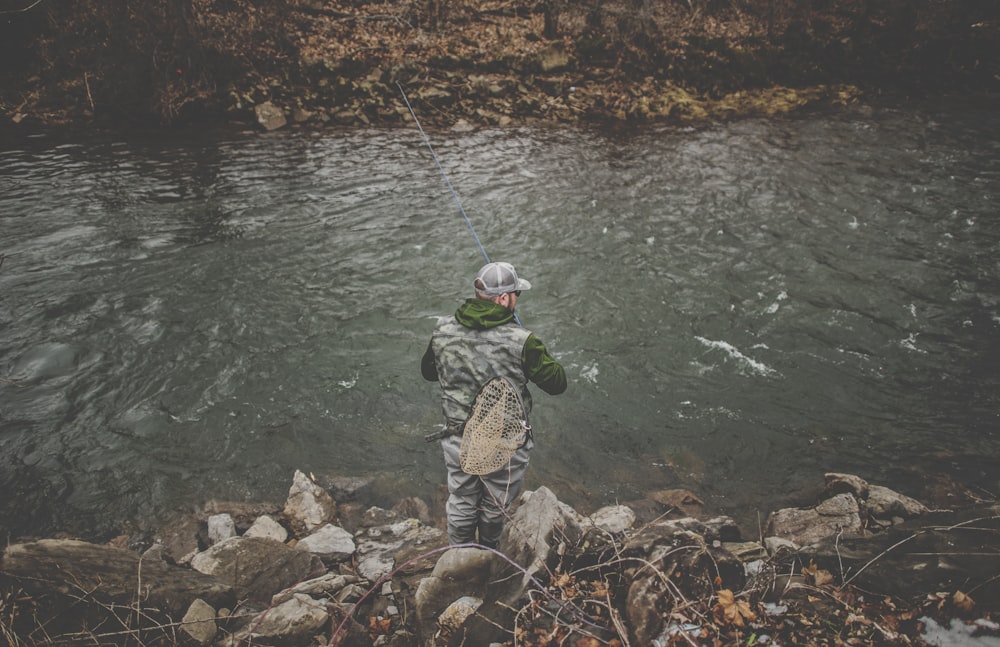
(740, 308)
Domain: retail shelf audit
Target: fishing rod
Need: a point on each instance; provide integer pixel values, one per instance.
(454, 194)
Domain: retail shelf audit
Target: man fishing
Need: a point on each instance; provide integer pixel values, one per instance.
(480, 342)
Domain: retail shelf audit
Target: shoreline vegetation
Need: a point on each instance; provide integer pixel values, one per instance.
(325, 63)
(863, 565)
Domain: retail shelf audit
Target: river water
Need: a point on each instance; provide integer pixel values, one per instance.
(740, 308)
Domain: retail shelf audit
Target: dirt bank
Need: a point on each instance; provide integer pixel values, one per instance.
(337, 62)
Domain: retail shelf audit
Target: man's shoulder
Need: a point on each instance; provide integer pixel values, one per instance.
(443, 320)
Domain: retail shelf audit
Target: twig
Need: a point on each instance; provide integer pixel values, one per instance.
(889, 635)
(836, 546)
(791, 574)
(28, 8)
(984, 583)
(689, 639)
(957, 554)
(964, 524)
(946, 528)
(616, 618)
(90, 97)
(138, 585)
(90, 636)
(572, 628)
(881, 555)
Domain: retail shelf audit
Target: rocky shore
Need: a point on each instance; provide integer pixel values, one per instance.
(864, 565)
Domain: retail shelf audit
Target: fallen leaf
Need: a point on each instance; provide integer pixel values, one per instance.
(817, 575)
(733, 611)
(379, 626)
(963, 602)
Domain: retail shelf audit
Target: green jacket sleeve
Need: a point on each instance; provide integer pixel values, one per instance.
(541, 368)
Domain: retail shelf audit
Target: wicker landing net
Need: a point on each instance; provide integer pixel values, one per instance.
(495, 429)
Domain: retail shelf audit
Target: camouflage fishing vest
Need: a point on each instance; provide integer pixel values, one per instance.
(467, 358)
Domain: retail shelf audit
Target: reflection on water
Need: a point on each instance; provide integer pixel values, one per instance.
(740, 308)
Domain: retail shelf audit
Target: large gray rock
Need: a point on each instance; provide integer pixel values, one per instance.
(330, 543)
(324, 586)
(835, 516)
(458, 612)
(257, 567)
(837, 483)
(220, 528)
(539, 529)
(459, 573)
(879, 502)
(883, 503)
(292, 622)
(266, 526)
(270, 116)
(614, 519)
(538, 526)
(308, 506)
(79, 569)
(198, 623)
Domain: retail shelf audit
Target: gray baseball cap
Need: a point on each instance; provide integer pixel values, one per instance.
(495, 279)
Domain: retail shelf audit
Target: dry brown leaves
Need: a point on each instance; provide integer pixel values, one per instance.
(378, 626)
(823, 612)
(730, 611)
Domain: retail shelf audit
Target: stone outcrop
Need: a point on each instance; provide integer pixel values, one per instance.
(539, 528)
(198, 624)
(851, 507)
(804, 526)
(308, 506)
(331, 544)
(270, 116)
(392, 580)
(257, 568)
(113, 575)
(460, 574)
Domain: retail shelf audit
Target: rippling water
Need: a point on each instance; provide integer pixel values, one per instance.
(740, 309)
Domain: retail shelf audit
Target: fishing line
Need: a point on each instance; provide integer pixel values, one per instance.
(441, 169)
(446, 180)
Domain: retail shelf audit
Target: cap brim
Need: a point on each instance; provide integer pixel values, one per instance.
(523, 285)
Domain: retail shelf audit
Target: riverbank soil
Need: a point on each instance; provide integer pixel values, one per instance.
(337, 62)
